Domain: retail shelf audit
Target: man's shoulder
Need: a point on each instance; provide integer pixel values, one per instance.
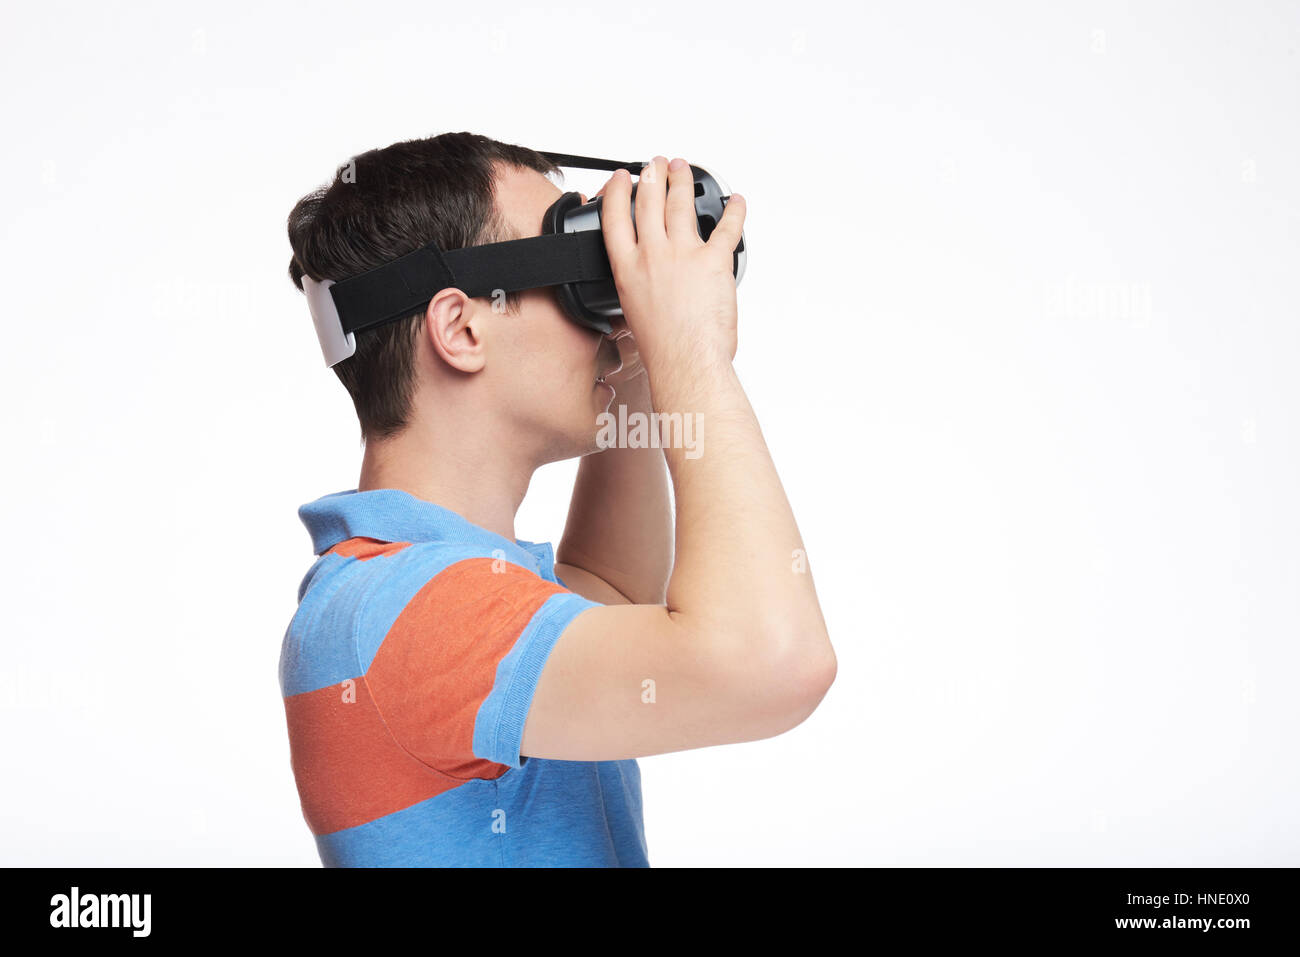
(372, 583)
(364, 591)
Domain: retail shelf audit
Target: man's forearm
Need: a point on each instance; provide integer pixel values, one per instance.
(736, 566)
(620, 518)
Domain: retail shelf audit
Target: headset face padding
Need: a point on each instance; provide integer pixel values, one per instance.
(589, 304)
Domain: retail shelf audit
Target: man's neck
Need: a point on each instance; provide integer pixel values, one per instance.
(476, 482)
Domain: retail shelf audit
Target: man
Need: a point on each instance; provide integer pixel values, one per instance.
(454, 695)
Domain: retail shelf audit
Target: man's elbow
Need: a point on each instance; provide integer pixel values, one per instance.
(765, 686)
(797, 683)
(814, 674)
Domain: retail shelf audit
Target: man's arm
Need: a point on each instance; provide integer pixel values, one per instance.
(739, 650)
(620, 526)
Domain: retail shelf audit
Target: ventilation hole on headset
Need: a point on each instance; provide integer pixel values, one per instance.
(706, 226)
(699, 189)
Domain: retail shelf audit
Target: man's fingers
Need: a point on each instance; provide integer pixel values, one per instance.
(616, 217)
(650, 229)
(680, 209)
(726, 235)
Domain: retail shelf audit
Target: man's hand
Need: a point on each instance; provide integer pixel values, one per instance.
(628, 352)
(677, 291)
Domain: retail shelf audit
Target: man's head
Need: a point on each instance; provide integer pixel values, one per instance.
(514, 363)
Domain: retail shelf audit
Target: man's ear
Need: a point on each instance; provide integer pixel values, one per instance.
(453, 325)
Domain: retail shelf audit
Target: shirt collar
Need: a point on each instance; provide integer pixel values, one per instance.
(392, 515)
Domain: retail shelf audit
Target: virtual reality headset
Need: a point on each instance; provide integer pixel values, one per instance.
(569, 256)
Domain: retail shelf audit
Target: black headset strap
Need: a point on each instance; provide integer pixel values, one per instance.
(590, 162)
(405, 286)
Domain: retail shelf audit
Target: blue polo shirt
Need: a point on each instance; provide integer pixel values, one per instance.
(407, 672)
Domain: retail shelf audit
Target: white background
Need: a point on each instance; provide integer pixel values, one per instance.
(1020, 322)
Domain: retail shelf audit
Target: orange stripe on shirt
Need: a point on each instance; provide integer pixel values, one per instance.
(348, 767)
(439, 660)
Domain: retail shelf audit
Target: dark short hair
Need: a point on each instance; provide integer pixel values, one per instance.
(382, 205)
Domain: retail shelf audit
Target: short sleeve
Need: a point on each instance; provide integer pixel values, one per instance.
(455, 674)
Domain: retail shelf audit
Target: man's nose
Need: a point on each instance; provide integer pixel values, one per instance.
(617, 327)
